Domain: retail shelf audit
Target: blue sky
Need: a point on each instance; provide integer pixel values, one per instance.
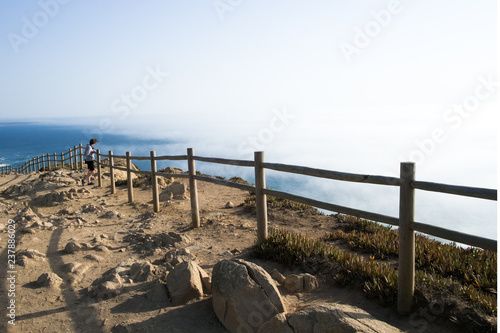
(242, 57)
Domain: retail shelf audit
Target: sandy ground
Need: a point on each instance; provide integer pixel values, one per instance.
(111, 230)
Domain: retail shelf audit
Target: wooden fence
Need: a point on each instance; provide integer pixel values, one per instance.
(406, 182)
(72, 159)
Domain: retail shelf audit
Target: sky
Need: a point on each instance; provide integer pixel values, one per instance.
(239, 59)
(355, 86)
(365, 69)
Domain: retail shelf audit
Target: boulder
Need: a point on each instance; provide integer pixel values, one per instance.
(175, 190)
(244, 296)
(321, 319)
(326, 319)
(184, 282)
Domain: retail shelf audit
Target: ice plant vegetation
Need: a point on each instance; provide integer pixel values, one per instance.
(466, 278)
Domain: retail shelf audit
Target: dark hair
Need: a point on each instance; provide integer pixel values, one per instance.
(92, 141)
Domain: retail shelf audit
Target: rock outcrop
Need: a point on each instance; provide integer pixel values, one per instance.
(325, 319)
(244, 296)
(184, 282)
(175, 190)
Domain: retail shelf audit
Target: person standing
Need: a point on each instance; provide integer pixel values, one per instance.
(90, 161)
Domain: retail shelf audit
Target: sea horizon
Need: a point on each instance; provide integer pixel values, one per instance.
(469, 215)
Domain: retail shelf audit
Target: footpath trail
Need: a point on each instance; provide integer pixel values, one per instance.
(13, 179)
(53, 210)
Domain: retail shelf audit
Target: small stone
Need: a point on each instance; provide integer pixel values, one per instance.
(101, 248)
(229, 204)
(94, 257)
(72, 247)
(310, 282)
(51, 280)
(275, 274)
(294, 283)
(299, 283)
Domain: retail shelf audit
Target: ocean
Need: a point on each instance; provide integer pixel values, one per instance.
(469, 215)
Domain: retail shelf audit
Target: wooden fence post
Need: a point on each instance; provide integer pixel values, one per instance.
(130, 185)
(406, 282)
(48, 162)
(62, 160)
(80, 155)
(55, 161)
(154, 183)
(99, 176)
(260, 198)
(70, 159)
(193, 189)
(112, 173)
(75, 164)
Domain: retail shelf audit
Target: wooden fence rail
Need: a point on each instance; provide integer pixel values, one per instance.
(406, 223)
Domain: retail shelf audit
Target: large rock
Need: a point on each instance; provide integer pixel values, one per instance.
(321, 319)
(326, 319)
(244, 296)
(175, 190)
(184, 282)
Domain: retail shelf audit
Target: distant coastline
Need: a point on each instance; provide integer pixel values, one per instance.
(12, 123)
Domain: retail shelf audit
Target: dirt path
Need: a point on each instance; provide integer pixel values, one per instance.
(12, 179)
(115, 231)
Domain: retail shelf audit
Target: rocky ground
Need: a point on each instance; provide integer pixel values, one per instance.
(89, 261)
